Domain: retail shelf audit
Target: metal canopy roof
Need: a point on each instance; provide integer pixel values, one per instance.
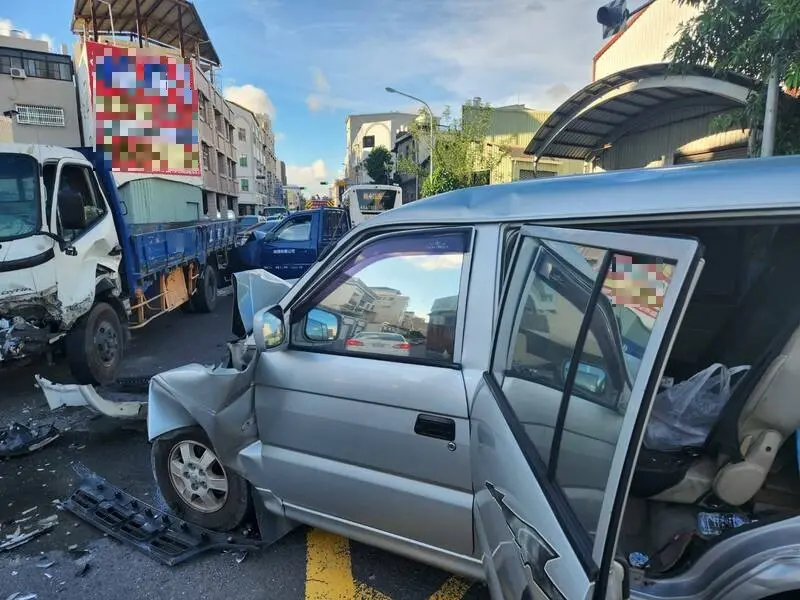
(162, 21)
(607, 109)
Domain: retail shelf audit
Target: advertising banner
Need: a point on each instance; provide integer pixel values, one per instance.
(146, 110)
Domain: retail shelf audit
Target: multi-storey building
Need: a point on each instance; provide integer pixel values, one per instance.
(255, 147)
(364, 133)
(39, 97)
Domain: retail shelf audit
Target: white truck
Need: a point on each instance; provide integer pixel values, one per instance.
(75, 277)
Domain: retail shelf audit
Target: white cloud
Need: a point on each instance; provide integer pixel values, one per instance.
(280, 136)
(6, 27)
(436, 262)
(320, 82)
(309, 176)
(321, 98)
(251, 97)
(539, 52)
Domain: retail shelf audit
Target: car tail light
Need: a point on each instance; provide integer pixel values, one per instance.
(352, 342)
(403, 346)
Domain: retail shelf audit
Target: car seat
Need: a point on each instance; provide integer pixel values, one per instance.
(762, 412)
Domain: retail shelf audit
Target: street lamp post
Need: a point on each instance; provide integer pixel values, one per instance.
(391, 90)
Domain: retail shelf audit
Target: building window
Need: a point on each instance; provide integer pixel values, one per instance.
(245, 184)
(242, 134)
(202, 106)
(36, 64)
(243, 160)
(206, 158)
(368, 141)
(46, 116)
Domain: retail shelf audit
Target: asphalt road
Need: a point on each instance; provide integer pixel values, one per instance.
(299, 566)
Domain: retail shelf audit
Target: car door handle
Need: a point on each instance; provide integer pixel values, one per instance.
(437, 427)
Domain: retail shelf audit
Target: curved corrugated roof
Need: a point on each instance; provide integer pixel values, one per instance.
(608, 108)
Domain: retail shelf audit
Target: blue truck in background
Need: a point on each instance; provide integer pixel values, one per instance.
(289, 248)
(75, 276)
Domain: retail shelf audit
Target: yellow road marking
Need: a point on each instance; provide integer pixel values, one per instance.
(329, 574)
(453, 589)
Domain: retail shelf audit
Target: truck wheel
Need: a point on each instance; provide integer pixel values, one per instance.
(205, 298)
(95, 346)
(194, 483)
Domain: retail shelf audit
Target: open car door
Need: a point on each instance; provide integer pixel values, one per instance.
(558, 420)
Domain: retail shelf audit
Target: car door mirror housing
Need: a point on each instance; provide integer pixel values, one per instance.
(322, 326)
(70, 210)
(269, 330)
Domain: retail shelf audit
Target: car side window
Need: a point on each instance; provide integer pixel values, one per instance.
(396, 299)
(573, 416)
(78, 180)
(297, 230)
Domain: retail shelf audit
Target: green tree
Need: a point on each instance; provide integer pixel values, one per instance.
(745, 36)
(379, 165)
(460, 150)
(439, 182)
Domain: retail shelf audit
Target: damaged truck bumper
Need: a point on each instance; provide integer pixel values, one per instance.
(59, 394)
(20, 339)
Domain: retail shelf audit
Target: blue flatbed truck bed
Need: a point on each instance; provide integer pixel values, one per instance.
(166, 265)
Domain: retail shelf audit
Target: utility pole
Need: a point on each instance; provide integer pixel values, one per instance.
(391, 90)
(771, 111)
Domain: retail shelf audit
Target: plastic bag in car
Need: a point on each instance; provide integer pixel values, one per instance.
(683, 415)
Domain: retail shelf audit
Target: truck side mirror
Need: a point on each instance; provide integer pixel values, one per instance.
(70, 210)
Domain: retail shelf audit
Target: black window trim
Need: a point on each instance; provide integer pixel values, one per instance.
(301, 302)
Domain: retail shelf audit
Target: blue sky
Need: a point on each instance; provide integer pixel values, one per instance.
(311, 62)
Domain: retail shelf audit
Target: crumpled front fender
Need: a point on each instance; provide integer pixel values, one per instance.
(218, 399)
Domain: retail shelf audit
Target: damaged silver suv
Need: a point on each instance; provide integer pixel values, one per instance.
(467, 381)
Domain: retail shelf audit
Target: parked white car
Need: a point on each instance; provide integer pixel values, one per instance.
(376, 342)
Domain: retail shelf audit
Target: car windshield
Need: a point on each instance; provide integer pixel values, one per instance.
(275, 212)
(20, 211)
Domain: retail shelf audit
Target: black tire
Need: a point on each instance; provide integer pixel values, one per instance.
(95, 346)
(205, 298)
(237, 503)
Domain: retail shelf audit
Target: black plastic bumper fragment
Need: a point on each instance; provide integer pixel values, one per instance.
(163, 537)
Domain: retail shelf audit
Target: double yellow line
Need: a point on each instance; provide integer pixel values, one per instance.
(329, 574)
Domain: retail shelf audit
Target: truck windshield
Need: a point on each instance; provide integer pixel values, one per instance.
(20, 212)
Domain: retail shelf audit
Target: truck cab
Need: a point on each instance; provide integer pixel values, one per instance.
(295, 244)
(59, 249)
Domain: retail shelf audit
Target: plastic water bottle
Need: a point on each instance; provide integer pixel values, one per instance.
(717, 523)
(638, 560)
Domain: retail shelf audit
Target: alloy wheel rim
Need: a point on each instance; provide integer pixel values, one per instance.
(198, 476)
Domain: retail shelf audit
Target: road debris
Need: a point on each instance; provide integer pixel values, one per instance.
(18, 439)
(161, 536)
(59, 394)
(24, 534)
(83, 565)
(21, 596)
(240, 557)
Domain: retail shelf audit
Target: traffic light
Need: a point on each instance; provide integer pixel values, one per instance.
(613, 17)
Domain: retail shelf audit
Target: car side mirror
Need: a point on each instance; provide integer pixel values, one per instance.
(269, 331)
(322, 326)
(71, 210)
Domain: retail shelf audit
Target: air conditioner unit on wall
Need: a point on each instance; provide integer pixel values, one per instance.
(18, 73)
